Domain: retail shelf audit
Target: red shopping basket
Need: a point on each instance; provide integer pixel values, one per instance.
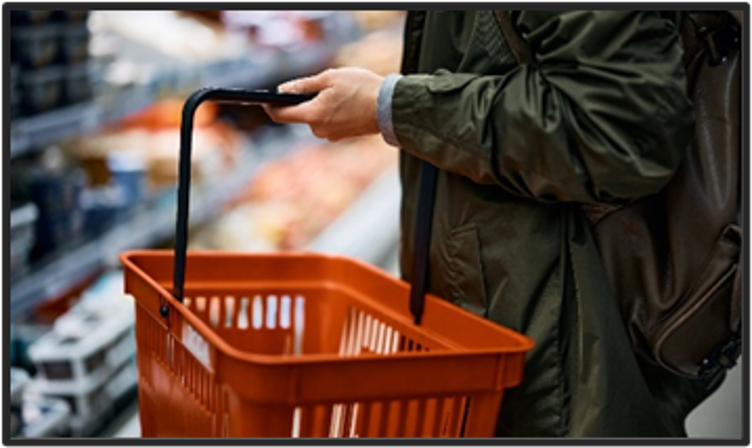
(304, 345)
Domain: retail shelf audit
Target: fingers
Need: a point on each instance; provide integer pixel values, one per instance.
(302, 113)
(290, 114)
(311, 84)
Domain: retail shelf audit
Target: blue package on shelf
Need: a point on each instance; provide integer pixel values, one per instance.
(128, 172)
(57, 195)
(103, 207)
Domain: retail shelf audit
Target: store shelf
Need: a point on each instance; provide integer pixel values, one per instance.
(32, 133)
(151, 225)
(50, 127)
(154, 223)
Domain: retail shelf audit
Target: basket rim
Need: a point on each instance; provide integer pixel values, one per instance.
(523, 343)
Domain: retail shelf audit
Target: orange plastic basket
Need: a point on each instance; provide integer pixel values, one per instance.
(305, 345)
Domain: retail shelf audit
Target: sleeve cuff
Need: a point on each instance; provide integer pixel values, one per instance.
(384, 109)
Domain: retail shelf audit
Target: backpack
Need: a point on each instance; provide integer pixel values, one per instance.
(673, 259)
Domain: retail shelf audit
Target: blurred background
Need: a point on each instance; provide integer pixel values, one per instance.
(95, 103)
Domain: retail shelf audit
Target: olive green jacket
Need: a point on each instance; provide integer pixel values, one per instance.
(601, 115)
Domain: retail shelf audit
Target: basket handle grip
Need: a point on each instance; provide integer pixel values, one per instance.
(221, 95)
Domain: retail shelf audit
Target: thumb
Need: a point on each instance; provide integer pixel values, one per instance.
(311, 84)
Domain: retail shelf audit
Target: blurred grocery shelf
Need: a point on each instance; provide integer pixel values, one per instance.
(369, 228)
(146, 227)
(37, 131)
(144, 77)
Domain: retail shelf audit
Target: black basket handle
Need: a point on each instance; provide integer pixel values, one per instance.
(221, 95)
(257, 97)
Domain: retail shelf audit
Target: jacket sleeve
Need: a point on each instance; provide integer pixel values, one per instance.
(601, 115)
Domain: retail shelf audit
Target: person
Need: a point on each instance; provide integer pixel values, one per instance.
(601, 115)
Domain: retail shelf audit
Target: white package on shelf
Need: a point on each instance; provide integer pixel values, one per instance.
(45, 417)
(107, 289)
(22, 222)
(86, 345)
(91, 404)
(19, 379)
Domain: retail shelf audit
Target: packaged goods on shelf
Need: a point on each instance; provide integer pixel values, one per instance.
(77, 83)
(128, 173)
(86, 346)
(19, 379)
(153, 137)
(103, 206)
(107, 289)
(74, 42)
(148, 36)
(24, 335)
(88, 359)
(55, 187)
(92, 404)
(291, 200)
(35, 46)
(280, 29)
(33, 416)
(45, 16)
(22, 237)
(42, 90)
(70, 16)
(49, 53)
(43, 417)
(30, 17)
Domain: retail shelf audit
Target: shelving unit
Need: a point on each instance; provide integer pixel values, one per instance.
(31, 133)
(146, 227)
(153, 223)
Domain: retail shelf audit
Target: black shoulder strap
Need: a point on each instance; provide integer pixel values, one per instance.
(423, 226)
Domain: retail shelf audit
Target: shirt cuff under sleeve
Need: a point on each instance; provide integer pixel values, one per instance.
(384, 109)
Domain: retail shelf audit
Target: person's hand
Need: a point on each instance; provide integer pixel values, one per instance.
(344, 107)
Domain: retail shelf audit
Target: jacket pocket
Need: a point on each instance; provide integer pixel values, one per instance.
(709, 315)
(465, 270)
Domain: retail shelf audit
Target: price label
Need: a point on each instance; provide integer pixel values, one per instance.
(197, 345)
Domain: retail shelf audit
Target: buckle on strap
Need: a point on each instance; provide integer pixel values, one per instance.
(721, 359)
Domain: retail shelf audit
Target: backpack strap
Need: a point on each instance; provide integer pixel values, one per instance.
(516, 43)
